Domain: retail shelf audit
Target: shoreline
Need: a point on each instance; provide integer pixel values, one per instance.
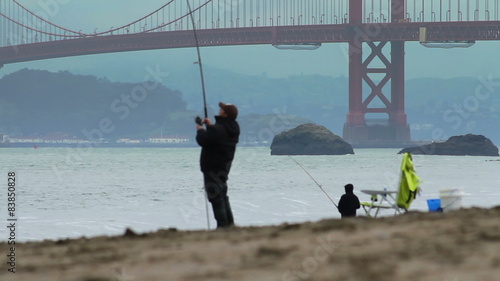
(381, 144)
(459, 245)
(95, 145)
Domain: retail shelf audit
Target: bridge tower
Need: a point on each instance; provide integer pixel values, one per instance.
(357, 130)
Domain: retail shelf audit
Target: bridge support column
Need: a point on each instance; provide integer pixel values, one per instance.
(394, 131)
(397, 115)
(353, 129)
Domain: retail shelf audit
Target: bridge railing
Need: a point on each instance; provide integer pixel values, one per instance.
(456, 10)
(378, 11)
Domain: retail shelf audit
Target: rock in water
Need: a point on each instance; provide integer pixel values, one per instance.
(309, 139)
(473, 145)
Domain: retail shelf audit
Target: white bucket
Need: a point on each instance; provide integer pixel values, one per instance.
(451, 199)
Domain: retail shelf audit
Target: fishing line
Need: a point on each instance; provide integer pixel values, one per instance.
(319, 185)
(204, 94)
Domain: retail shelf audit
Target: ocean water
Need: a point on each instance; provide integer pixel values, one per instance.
(69, 193)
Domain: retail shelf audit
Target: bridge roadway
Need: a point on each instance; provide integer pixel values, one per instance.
(277, 35)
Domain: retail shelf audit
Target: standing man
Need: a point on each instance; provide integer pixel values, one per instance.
(349, 202)
(218, 144)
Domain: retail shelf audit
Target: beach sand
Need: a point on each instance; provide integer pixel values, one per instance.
(455, 246)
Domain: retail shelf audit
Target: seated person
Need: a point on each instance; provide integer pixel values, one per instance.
(349, 202)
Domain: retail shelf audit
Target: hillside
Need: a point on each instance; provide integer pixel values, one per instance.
(436, 108)
(40, 102)
(34, 102)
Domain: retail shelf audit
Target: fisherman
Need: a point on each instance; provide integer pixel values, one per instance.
(218, 142)
(349, 202)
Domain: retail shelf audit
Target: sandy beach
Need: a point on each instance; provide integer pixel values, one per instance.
(460, 245)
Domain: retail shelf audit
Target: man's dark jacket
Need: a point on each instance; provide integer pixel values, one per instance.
(218, 144)
(348, 204)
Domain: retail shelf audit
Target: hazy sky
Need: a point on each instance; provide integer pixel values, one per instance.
(86, 15)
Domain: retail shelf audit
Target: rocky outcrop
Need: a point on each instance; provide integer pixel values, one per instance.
(474, 145)
(309, 139)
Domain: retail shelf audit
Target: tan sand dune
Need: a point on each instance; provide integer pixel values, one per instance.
(460, 245)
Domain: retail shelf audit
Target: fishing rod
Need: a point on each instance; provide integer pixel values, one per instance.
(319, 185)
(199, 60)
(198, 119)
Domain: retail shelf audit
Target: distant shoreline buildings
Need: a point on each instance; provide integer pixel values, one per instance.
(64, 140)
(169, 139)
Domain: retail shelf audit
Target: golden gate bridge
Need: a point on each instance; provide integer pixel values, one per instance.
(28, 36)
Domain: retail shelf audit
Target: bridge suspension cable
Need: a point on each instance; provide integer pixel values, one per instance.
(42, 19)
